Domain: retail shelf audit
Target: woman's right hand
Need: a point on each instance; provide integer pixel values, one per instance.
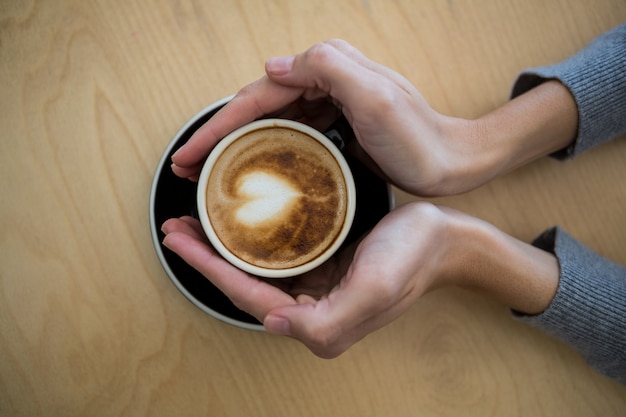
(415, 147)
(418, 149)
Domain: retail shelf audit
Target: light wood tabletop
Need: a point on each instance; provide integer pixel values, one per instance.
(93, 91)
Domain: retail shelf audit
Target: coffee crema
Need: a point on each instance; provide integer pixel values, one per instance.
(276, 198)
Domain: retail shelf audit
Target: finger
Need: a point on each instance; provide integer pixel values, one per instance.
(329, 326)
(341, 72)
(323, 279)
(353, 53)
(194, 224)
(248, 293)
(186, 225)
(191, 173)
(306, 299)
(251, 102)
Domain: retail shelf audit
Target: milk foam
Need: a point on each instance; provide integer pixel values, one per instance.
(266, 197)
(276, 198)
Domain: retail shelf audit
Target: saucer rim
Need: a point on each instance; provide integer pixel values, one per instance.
(154, 228)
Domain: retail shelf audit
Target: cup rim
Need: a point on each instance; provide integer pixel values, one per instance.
(214, 239)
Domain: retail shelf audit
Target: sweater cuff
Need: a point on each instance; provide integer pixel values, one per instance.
(596, 77)
(589, 307)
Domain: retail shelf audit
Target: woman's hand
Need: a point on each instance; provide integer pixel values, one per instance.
(418, 149)
(393, 124)
(334, 306)
(414, 249)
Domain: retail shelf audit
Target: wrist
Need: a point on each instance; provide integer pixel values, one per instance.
(473, 157)
(487, 260)
(537, 123)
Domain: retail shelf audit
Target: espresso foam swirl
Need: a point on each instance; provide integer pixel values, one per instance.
(276, 198)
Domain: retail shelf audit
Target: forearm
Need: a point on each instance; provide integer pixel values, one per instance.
(563, 109)
(537, 123)
(560, 286)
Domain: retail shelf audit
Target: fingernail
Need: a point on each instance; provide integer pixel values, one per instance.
(175, 154)
(277, 325)
(279, 65)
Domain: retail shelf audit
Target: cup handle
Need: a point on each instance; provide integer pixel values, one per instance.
(340, 133)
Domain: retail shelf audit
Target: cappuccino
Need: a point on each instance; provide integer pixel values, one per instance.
(277, 198)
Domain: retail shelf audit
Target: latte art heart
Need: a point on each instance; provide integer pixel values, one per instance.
(266, 197)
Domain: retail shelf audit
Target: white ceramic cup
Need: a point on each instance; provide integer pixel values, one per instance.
(232, 257)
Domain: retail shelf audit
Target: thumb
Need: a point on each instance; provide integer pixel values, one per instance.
(329, 326)
(307, 323)
(277, 322)
(279, 66)
(331, 67)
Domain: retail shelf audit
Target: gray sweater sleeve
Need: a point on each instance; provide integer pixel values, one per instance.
(596, 77)
(589, 309)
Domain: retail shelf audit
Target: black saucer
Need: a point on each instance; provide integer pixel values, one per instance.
(172, 196)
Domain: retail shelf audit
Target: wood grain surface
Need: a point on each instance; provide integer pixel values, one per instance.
(91, 94)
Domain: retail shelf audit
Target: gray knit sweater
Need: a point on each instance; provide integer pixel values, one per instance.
(589, 309)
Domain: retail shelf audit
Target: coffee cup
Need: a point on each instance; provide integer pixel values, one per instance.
(276, 198)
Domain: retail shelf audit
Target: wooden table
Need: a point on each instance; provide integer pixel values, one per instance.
(90, 325)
